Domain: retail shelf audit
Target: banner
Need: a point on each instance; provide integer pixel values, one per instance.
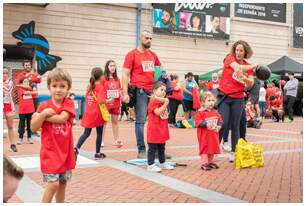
(204, 20)
(298, 25)
(267, 12)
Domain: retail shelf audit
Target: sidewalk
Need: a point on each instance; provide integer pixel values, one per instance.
(112, 180)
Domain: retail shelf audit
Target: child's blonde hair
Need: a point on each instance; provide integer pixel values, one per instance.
(59, 74)
(204, 95)
(5, 70)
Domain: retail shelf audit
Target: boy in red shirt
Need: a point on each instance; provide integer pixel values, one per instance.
(157, 130)
(26, 109)
(55, 118)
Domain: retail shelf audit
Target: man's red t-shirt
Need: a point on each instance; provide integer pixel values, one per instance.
(176, 93)
(113, 90)
(157, 130)
(92, 116)
(56, 152)
(26, 104)
(141, 66)
(229, 83)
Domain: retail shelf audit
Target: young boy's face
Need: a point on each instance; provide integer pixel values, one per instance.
(58, 89)
(160, 91)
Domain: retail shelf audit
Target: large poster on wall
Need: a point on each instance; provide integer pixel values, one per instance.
(267, 12)
(204, 20)
(298, 25)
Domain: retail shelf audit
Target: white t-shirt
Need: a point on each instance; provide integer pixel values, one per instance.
(262, 94)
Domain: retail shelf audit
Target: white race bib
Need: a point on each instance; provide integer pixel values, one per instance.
(113, 94)
(27, 96)
(235, 77)
(147, 66)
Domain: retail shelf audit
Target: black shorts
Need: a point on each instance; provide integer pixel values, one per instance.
(187, 105)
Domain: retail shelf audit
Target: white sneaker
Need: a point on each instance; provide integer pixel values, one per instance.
(19, 141)
(166, 166)
(226, 147)
(154, 168)
(230, 156)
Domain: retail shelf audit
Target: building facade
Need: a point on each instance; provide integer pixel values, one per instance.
(87, 35)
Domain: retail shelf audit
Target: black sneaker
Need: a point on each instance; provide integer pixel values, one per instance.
(99, 156)
(13, 148)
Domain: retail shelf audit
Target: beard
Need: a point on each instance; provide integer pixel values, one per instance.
(147, 46)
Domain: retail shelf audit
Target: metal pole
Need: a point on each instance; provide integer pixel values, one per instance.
(138, 23)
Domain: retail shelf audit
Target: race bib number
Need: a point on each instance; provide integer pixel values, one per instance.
(6, 99)
(147, 66)
(113, 94)
(27, 96)
(235, 77)
(215, 86)
(212, 122)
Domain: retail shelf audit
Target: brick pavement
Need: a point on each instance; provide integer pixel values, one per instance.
(280, 180)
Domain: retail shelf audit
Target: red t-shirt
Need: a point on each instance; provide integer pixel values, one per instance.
(56, 152)
(276, 103)
(157, 130)
(92, 116)
(176, 94)
(26, 104)
(212, 85)
(141, 66)
(208, 139)
(113, 90)
(229, 83)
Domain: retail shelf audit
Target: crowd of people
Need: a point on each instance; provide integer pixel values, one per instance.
(232, 100)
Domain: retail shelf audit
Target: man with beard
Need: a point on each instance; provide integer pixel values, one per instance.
(138, 68)
(215, 28)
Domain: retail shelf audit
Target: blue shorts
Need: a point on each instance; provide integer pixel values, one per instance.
(57, 177)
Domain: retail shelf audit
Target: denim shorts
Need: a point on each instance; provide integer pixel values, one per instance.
(57, 177)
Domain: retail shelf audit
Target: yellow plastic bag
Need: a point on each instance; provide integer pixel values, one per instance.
(103, 109)
(248, 155)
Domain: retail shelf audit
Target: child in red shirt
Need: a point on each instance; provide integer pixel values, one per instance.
(112, 86)
(26, 109)
(208, 123)
(92, 117)
(55, 118)
(8, 107)
(276, 106)
(157, 129)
